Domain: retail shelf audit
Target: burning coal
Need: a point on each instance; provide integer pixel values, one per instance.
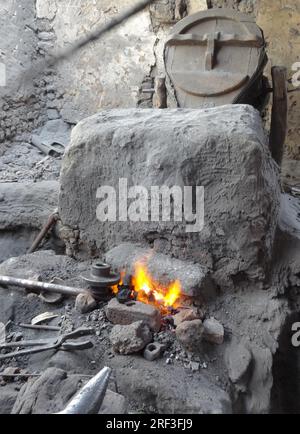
(146, 289)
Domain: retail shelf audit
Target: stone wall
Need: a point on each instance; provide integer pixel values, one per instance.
(21, 105)
(113, 72)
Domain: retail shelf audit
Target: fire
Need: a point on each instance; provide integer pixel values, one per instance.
(149, 291)
(152, 292)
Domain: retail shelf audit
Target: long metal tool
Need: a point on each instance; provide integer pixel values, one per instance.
(44, 286)
(59, 342)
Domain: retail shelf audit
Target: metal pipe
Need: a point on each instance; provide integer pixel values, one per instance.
(33, 284)
(89, 399)
(39, 327)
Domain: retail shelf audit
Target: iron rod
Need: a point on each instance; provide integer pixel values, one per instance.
(32, 284)
(46, 228)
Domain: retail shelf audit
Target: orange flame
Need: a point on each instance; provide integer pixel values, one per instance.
(149, 291)
(152, 292)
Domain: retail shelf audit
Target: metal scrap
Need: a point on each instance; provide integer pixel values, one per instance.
(43, 317)
(39, 327)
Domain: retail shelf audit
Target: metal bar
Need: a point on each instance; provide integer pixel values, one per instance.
(49, 224)
(39, 327)
(29, 343)
(32, 284)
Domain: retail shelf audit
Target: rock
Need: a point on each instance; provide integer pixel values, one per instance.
(223, 149)
(171, 389)
(113, 403)
(128, 339)
(85, 303)
(46, 9)
(261, 382)
(46, 36)
(238, 361)
(289, 219)
(55, 131)
(8, 396)
(48, 394)
(189, 334)
(45, 264)
(25, 207)
(165, 269)
(194, 366)
(124, 314)
(213, 331)
(51, 393)
(194, 278)
(27, 204)
(185, 315)
(153, 351)
(9, 372)
(52, 114)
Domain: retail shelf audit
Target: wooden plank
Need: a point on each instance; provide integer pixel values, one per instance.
(160, 95)
(279, 113)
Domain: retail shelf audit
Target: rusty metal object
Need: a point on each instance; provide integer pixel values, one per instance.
(50, 223)
(89, 399)
(100, 280)
(43, 286)
(203, 59)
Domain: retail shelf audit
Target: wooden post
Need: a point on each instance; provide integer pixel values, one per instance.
(279, 113)
(160, 95)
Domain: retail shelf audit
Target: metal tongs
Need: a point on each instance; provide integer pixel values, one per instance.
(58, 343)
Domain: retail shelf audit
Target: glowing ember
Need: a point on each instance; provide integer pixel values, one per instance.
(149, 291)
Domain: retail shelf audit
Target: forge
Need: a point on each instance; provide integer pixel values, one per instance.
(223, 150)
(149, 233)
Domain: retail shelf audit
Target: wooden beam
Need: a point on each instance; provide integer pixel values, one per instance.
(279, 113)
